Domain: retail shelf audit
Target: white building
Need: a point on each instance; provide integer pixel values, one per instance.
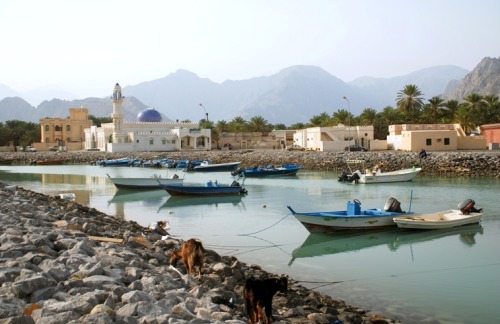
(333, 138)
(148, 134)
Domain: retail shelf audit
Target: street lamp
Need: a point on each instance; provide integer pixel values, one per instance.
(206, 114)
(348, 123)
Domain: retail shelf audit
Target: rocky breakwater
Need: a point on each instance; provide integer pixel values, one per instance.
(451, 164)
(62, 262)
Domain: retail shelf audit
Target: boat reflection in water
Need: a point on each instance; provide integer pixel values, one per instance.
(318, 244)
(180, 201)
(153, 196)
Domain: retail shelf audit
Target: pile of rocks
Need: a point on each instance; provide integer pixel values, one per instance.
(62, 262)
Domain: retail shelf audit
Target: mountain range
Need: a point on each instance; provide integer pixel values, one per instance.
(292, 95)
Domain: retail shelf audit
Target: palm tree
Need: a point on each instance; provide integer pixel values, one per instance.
(368, 116)
(258, 124)
(410, 99)
(492, 109)
(320, 121)
(475, 104)
(343, 116)
(435, 106)
(449, 109)
(463, 116)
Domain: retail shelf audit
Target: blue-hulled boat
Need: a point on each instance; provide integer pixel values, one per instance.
(354, 218)
(261, 171)
(208, 189)
(115, 162)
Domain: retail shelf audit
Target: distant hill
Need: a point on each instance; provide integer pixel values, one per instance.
(17, 108)
(292, 95)
(484, 79)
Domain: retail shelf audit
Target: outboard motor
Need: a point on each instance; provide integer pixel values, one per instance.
(355, 177)
(235, 184)
(343, 176)
(393, 205)
(467, 206)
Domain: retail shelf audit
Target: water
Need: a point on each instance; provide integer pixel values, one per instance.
(449, 276)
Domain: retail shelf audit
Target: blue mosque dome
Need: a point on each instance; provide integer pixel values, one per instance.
(149, 115)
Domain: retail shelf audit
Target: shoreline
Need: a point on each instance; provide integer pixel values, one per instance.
(484, 164)
(58, 266)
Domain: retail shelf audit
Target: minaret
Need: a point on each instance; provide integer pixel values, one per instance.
(118, 135)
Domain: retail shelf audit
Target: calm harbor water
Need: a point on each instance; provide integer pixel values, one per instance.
(449, 276)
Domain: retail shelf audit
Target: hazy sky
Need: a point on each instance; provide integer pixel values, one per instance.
(86, 46)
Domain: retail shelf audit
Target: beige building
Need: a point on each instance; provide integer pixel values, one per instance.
(67, 133)
(432, 137)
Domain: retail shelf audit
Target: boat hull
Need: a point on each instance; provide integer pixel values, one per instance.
(188, 190)
(440, 220)
(324, 222)
(50, 162)
(143, 183)
(395, 176)
(262, 171)
(218, 167)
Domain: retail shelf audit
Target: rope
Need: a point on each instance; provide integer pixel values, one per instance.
(262, 230)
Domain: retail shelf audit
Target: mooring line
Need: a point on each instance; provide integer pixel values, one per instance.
(262, 230)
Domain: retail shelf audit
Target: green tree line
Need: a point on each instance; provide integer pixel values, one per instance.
(411, 108)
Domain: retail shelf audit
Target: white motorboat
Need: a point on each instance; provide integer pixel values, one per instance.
(152, 182)
(442, 219)
(376, 175)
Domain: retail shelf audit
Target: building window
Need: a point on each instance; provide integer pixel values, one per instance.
(47, 127)
(163, 141)
(137, 141)
(151, 141)
(173, 141)
(68, 128)
(446, 141)
(428, 142)
(68, 139)
(58, 128)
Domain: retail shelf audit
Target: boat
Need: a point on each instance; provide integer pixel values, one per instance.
(123, 162)
(261, 171)
(353, 218)
(466, 214)
(49, 162)
(208, 166)
(67, 196)
(376, 175)
(208, 189)
(6, 161)
(147, 197)
(152, 182)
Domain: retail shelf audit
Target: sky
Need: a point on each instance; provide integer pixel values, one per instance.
(86, 46)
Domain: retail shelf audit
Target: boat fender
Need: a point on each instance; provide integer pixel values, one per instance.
(466, 206)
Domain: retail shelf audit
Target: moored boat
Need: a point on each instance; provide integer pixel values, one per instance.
(466, 214)
(152, 182)
(207, 166)
(209, 189)
(261, 171)
(375, 175)
(353, 218)
(49, 162)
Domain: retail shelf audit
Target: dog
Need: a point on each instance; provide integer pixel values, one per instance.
(259, 294)
(192, 255)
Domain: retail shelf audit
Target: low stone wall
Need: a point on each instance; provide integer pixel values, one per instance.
(452, 164)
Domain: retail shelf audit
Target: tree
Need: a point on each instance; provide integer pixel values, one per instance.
(238, 125)
(463, 116)
(343, 116)
(258, 124)
(368, 116)
(320, 120)
(435, 106)
(409, 99)
(280, 126)
(476, 105)
(449, 109)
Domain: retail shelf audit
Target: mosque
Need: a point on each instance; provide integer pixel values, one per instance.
(148, 134)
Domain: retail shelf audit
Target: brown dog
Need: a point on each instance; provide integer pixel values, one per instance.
(259, 294)
(192, 255)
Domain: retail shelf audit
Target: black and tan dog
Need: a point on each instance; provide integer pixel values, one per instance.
(259, 294)
(192, 255)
